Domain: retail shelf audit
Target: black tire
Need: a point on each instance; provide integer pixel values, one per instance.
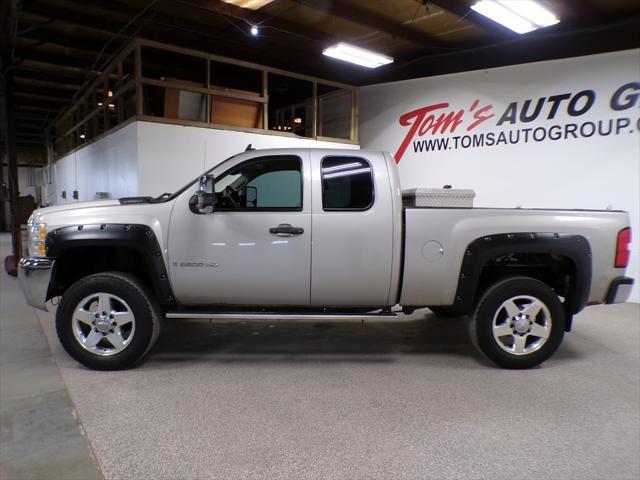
(492, 305)
(142, 306)
(447, 312)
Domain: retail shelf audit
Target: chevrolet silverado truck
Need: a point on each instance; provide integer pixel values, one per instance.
(310, 233)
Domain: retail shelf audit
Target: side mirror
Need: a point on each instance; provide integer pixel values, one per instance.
(205, 198)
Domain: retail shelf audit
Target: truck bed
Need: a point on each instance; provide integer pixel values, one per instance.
(436, 240)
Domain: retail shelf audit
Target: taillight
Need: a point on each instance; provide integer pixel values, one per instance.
(623, 248)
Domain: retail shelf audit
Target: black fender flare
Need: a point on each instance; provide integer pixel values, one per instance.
(140, 238)
(574, 247)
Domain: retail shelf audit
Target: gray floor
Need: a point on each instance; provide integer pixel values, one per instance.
(404, 399)
(40, 436)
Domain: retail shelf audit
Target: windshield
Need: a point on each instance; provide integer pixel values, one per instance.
(165, 197)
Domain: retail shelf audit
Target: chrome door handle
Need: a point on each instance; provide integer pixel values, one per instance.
(286, 230)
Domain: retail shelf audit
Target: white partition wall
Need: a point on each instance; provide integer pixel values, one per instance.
(555, 134)
(65, 179)
(146, 158)
(108, 165)
(171, 155)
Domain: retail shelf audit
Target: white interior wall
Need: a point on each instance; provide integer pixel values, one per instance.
(65, 179)
(30, 182)
(107, 165)
(147, 158)
(169, 156)
(28, 179)
(596, 172)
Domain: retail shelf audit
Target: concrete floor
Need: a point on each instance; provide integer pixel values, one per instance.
(40, 435)
(402, 399)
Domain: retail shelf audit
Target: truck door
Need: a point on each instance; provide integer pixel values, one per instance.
(255, 248)
(352, 222)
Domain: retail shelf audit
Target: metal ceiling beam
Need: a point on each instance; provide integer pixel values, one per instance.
(26, 125)
(20, 73)
(48, 92)
(178, 31)
(55, 46)
(8, 17)
(49, 67)
(35, 108)
(42, 98)
(281, 43)
(79, 16)
(371, 20)
(21, 81)
(23, 29)
(82, 15)
(78, 42)
(22, 54)
(524, 49)
(583, 10)
(28, 135)
(28, 116)
(253, 17)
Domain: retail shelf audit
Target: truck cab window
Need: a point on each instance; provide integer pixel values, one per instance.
(347, 183)
(265, 183)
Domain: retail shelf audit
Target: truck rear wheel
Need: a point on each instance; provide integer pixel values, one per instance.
(107, 321)
(518, 323)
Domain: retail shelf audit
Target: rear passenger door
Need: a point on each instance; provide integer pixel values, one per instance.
(352, 248)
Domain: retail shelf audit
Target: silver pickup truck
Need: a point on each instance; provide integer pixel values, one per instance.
(293, 233)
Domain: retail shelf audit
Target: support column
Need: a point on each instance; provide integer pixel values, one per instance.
(9, 11)
(3, 159)
(12, 174)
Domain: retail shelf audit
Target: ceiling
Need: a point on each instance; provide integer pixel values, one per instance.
(60, 45)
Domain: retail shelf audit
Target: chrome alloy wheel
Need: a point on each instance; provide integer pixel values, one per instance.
(103, 324)
(522, 325)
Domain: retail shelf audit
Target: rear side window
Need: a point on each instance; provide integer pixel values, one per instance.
(347, 183)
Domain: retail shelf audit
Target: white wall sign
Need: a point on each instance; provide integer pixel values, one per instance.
(556, 134)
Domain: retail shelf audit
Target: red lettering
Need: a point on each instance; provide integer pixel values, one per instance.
(449, 121)
(426, 120)
(479, 117)
(413, 120)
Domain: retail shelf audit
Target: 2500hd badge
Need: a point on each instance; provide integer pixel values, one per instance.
(195, 264)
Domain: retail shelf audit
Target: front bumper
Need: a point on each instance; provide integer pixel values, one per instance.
(34, 275)
(619, 290)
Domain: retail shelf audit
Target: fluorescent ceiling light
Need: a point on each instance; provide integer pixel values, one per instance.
(357, 55)
(521, 16)
(250, 4)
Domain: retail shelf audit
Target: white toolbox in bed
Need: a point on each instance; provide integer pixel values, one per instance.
(438, 197)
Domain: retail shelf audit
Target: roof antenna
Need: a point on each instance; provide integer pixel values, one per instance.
(249, 147)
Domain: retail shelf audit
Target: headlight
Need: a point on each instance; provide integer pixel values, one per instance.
(37, 237)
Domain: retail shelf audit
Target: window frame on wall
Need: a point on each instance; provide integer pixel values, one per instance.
(324, 98)
(371, 177)
(93, 115)
(265, 209)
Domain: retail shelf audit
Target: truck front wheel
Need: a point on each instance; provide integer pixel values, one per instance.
(518, 323)
(107, 321)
